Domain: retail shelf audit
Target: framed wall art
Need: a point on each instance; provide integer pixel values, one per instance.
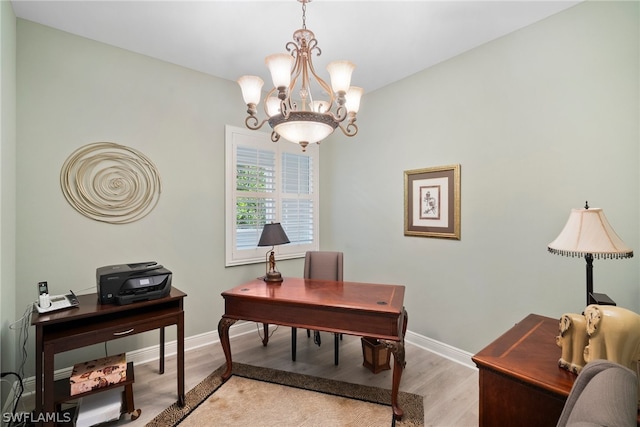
(432, 202)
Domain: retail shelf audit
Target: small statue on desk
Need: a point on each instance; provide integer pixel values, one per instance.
(272, 263)
(614, 335)
(602, 332)
(572, 340)
(272, 275)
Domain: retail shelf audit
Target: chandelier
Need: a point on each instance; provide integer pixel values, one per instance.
(291, 108)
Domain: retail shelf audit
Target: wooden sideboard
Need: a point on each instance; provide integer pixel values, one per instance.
(520, 380)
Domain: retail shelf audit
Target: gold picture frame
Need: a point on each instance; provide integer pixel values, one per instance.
(432, 202)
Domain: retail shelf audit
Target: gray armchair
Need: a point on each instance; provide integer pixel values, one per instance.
(604, 394)
(320, 265)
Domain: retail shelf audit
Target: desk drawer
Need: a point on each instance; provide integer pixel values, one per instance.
(383, 325)
(76, 336)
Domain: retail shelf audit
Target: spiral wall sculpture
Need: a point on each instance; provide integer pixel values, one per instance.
(111, 183)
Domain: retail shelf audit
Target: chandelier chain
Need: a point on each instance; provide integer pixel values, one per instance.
(304, 15)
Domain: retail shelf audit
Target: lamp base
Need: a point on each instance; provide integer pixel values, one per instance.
(273, 277)
(600, 299)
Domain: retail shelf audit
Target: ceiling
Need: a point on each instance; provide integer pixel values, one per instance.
(387, 40)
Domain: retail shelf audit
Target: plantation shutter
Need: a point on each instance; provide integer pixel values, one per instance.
(297, 197)
(255, 191)
(269, 182)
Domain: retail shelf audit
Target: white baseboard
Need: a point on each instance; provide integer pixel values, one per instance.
(441, 349)
(152, 353)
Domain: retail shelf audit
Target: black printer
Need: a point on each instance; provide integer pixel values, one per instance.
(128, 283)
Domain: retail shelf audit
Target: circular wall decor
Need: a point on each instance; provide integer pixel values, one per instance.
(111, 183)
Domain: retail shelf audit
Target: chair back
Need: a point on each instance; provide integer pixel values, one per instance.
(323, 265)
(604, 394)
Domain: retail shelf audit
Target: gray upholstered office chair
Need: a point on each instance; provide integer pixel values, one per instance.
(604, 394)
(320, 265)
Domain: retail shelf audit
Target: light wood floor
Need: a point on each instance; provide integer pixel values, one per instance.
(450, 389)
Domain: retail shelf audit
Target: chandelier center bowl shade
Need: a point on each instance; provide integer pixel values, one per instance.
(301, 107)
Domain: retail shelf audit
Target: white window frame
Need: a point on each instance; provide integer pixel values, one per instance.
(235, 136)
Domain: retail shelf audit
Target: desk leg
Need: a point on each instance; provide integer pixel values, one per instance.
(49, 407)
(223, 333)
(39, 350)
(397, 348)
(399, 362)
(180, 328)
(161, 368)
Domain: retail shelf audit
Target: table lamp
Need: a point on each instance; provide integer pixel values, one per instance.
(272, 235)
(588, 233)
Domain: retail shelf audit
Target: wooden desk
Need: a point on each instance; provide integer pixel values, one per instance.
(341, 307)
(520, 381)
(92, 323)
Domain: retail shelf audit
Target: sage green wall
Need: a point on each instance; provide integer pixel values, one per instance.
(73, 91)
(7, 186)
(540, 121)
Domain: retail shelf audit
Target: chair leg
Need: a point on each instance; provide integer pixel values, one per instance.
(294, 341)
(265, 336)
(336, 348)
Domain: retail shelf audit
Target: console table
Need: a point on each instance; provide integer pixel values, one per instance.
(520, 380)
(92, 323)
(351, 308)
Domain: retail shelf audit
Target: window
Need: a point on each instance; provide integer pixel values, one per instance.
(269, 182)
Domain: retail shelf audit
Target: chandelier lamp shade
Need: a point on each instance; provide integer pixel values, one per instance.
(588, 234)
(293, 107)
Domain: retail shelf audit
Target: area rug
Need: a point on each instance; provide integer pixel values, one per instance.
(262, 397)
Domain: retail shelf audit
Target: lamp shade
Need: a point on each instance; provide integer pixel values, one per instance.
(273, 106)
(279, 65)
(251, 87)
(303, 126)
(587, 231)
(303, 130)
(340, 74)
(353, 99)
(272, 235)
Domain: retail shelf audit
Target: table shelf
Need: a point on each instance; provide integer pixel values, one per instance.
(62, 388)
